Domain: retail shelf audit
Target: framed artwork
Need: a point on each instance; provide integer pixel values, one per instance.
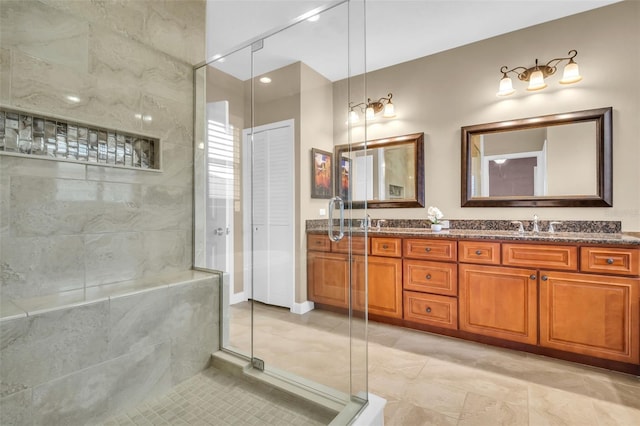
(344, 176)
(321, 173)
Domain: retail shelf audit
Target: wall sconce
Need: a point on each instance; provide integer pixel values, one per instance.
(536, 75)
(371, 108)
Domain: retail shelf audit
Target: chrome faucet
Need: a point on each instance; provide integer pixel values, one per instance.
(535, 224)
(380, 221)
(551, 228)
(366, 222)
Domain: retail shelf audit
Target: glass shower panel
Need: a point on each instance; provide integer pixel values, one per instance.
(294, 112)
(222, 111)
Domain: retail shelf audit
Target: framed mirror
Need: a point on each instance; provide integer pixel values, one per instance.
(387, 173)
(560, 160)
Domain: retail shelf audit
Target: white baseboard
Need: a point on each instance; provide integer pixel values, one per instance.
(237, 298)
(302, 308)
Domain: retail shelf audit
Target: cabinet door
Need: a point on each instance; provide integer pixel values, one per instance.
(327, 278)
(498, 302)
(385, 285)
(590, 314)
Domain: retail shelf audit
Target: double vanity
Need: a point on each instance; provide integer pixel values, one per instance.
(569, 295)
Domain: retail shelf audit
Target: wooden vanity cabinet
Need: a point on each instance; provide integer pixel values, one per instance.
(430, 282)
(592, 315)
(327, 273)
(499, 302)
(385, 285)
(572, 301)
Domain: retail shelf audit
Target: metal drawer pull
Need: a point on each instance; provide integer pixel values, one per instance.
(610, 261)
(428, 276)
(532, 276)
(428, 310)
(385, 246)
(478, 252)
(428, 249)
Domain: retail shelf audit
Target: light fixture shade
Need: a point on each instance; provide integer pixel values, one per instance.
(389, 110)
(353, 116)
(536, 81)
(370, 113)
(506, 87)
(571, 74)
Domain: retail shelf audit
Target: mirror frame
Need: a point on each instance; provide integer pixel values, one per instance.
(415, 138)
(604, 142)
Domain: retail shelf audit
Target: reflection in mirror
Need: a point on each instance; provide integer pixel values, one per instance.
(386, 172)
(557, 160)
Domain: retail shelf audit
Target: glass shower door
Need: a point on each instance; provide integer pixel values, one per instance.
(263, 113)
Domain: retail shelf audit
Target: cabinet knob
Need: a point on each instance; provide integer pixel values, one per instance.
(609, 261)
(428, 276)
(545, 278)
(428, 249)
(385, 246)
(478, 252)
(428, 310)
(532, 276)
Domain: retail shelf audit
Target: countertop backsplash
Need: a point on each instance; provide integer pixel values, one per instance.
(582, 226)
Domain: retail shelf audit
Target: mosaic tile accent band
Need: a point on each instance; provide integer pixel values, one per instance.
(40, 136)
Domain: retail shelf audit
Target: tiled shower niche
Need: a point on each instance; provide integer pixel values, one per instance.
(38, 136)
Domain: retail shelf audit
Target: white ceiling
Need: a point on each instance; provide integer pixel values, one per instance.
(397, 30)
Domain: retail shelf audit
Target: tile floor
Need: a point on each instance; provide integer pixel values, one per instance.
(435, 380)
(215, 397)
(427, 380)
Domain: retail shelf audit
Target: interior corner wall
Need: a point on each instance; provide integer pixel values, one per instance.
(316, 131)
(439, 94)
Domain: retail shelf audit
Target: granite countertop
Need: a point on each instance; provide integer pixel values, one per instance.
(623, 238)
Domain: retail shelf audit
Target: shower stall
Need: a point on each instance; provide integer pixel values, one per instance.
(267, 116)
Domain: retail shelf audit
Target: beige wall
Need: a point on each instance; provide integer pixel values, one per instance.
(316, 131)
(121, 59)
(439, 94)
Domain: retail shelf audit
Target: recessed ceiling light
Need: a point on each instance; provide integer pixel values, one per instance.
(73, 98)
(265, 80)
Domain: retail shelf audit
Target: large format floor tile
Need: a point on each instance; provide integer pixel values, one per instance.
(436, 380)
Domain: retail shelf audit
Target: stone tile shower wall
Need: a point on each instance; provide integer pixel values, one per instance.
(64, 226)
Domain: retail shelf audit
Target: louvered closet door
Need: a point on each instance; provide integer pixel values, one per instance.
(273, 256)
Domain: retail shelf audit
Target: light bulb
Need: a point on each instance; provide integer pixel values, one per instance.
(506, 87)
(536, 81)
(370, 113)
(571, 73)
(389, 110)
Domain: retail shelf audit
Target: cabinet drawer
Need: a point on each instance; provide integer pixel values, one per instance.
(358, 245)
(391, 247)
(479, 252)
(430, 249)
(430, 277)
(318, 242)
(540, 256)
(430, 309)
(610, 260)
